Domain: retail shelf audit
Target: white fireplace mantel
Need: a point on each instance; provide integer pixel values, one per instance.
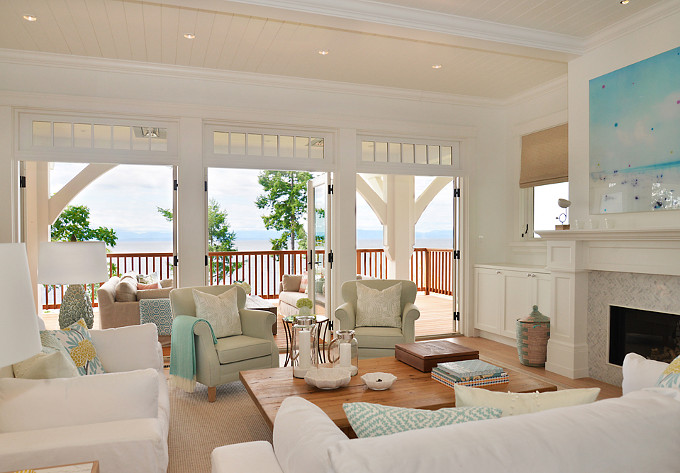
(647, 251)
(649, 234)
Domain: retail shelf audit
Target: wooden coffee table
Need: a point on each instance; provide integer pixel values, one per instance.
(414, 389)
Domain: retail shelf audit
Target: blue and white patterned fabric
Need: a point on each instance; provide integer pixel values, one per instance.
(373, 420)
(670, 378)
(156, 311)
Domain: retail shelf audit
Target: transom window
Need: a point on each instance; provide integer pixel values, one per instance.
(56, 134)
(409, 153)
(238, 143)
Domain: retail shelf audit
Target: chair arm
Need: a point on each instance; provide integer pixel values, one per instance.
(256, 457)
(207, 363)
(408, 322)
(257, 323)
(128, 348)
(346, 316)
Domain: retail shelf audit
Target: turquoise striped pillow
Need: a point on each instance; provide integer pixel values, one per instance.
(373, 420)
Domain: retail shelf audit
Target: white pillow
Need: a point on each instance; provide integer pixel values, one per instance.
(220, 311)
(639, 372)
(376, 308)
(46, 366)
(523, 403)
(141, 348)
(31, 404)
(302, 433)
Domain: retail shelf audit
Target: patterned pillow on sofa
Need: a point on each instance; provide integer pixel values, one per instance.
(76, 339)
(670, 378)
(156, 311)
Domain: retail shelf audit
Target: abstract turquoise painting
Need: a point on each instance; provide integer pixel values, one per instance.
(635, 137)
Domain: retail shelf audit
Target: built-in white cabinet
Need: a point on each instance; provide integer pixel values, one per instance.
(504, 294)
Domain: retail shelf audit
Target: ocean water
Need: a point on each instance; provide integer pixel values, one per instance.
(141, 246)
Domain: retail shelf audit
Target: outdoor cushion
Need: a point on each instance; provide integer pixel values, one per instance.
(291, 297)
(241, 347)
(291, 282)
(126, 290)
(378, 337)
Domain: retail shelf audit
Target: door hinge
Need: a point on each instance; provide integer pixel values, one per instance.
(205, 186)
(330, 259)
(206, 260)
(175, 184)
(456, 316)
(456, 254)
(175, 260)
(330, 188)
(456, 192)
(22, 181)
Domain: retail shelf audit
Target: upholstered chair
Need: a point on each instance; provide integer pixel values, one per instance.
(219, 363)
(377, 341)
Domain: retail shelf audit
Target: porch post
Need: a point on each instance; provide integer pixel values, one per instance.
(399, 233)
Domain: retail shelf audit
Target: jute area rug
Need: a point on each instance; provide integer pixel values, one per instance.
(198, 426)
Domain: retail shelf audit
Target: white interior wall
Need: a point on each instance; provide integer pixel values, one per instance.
(190, 96)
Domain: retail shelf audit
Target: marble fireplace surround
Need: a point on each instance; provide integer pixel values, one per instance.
(592, 269)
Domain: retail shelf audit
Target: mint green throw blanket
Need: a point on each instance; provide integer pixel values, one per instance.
(183, 352)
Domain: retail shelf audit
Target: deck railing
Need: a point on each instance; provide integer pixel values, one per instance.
(430, 269)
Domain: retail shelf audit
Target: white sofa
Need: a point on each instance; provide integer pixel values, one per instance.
(636, 432)
(120, 418)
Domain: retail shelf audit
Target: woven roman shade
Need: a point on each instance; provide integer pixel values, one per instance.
(545, 157)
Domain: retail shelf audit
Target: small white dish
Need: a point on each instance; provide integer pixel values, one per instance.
(378, 381)
(328, 378)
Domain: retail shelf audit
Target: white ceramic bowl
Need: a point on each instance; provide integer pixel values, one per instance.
(328, 378)
(378, 381)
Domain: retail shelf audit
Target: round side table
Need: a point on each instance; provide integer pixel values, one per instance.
(321, 320)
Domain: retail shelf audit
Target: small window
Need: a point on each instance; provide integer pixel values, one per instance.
(546, 212)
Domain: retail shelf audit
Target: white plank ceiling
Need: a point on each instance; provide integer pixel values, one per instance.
(228, 38)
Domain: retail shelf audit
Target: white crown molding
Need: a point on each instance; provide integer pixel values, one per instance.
(633, 23)
(436, 22)
(555, 85)
(265, 80)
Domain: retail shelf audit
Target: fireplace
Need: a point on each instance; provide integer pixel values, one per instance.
(654, 335)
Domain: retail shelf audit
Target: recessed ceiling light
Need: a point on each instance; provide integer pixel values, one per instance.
(436, 66)
(30, 18)
(323, 52)
(189, 36)
(624, 2)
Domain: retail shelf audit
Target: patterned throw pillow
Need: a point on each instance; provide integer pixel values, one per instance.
(303, 283)
(220, 311)
(156, 311)
(376, 308)
(77, 342)
(670, 378)
(373, 420)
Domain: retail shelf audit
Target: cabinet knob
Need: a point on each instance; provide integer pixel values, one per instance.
(499, 272)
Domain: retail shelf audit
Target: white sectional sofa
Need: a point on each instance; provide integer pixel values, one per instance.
(637, 432)
(120, 418)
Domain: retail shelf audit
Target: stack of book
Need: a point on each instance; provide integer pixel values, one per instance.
(469, 373)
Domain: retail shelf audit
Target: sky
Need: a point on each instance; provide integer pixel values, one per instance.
(125, 199)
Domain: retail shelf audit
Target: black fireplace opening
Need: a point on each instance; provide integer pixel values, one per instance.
(654, 335)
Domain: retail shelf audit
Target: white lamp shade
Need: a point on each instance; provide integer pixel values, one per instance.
(19, 335)
(77, 262)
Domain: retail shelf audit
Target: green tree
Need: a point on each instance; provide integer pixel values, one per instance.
(285, 198)
(74, 223)
(220, 238)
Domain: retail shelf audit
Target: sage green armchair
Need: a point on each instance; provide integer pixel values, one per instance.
(376, 342)
(220, 363)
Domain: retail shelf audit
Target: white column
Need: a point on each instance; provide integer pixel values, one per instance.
(568, 344)
(399, 233)
(8, 180)
(344, 214)
(190, 213)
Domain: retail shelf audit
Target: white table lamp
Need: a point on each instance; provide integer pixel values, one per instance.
(19, 334)
(74, 263)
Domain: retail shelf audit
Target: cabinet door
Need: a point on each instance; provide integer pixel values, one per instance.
(519, 296)
(488, 299)
(543, 297)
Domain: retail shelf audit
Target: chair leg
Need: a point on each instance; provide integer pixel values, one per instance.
(212, 394)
